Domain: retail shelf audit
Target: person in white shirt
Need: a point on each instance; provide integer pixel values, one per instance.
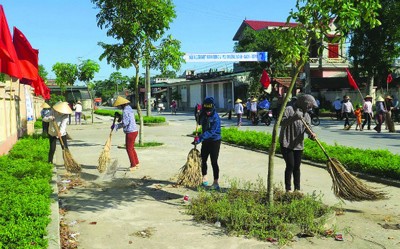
(337, 105)
(239, 111)
(347, 110)
(367, 110)
(78, 112)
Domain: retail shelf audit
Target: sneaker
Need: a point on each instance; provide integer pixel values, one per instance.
(204, 184)
(215, 187)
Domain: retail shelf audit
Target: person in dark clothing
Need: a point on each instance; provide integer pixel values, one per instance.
(291, 137)
(210, 138)
(44, 113)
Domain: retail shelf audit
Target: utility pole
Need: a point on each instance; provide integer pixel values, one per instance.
(148, 91)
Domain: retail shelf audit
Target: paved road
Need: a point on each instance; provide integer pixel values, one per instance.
(329, 131)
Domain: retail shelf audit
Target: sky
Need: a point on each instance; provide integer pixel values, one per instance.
(66, 30)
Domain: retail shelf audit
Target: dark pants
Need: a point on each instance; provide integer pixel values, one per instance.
(293, 162)
(367, 120)
(130, 148)
(379, 119)
(346, 116)
(210, 148)
(53, 143)
(338, 114)
(45, 128)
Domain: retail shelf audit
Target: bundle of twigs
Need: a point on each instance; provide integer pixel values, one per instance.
(70, 164)
(104, 158)
(346, 186)
(190, 173)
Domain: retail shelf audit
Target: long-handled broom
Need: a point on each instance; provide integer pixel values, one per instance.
(345, 185)
(190, 173)
(70, 164)
(104, 158)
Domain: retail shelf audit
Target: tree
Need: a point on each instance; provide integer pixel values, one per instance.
(313, 18)
(66, 74)
(120, 82)
(43, 73)
(367, 59)
(136, 24)
(87, 69)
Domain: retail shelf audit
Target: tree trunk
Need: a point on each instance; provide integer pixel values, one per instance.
(148, 91)
(139, 110)
(272, 149)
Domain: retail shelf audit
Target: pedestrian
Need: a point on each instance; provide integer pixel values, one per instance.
(358, 114)
(229, 111)
(210, 138)
(58, 116)
(173, 106)
(291, 137)
(71, 106)
(380, 113)
(44, 113)
(128, 124)
(367, 112)
(347, 111)
(248, 104)
(253, 109)
(388, 104)
(274, 107)
(337, 106)
(78, 112)
(239, 111)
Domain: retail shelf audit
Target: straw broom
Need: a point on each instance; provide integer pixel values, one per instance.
(345, 185)
(104, 158)
(70, 164)
(190, 173)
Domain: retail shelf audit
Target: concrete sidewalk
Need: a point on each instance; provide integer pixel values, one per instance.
(145, 209)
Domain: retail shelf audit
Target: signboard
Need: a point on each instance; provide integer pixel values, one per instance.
(219, 57)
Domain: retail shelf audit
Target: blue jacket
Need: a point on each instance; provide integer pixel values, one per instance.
(211, 126)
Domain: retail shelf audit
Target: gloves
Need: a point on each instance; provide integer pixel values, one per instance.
(112, 127)
(196, 140)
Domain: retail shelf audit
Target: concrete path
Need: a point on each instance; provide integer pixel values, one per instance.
(120, 210)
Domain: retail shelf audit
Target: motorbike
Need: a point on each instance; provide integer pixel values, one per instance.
(265, 116)
(314, 118)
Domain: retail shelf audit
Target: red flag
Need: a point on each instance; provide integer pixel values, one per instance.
(352, 82)
(28, 57)
(389, 78)
(265, 80)
(8, 57)
(40, 88)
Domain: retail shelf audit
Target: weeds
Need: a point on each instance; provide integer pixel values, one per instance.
(243, 210)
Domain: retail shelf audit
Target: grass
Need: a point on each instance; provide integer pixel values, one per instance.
(146, 119)
(243, 211)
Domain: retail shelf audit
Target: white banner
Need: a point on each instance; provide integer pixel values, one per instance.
(29, 104)
(245, 56)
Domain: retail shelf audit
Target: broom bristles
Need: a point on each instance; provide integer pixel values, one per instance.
(70, 164)
(348, 187)
(104, 158)
(190, 173)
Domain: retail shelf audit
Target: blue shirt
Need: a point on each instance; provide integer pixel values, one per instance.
(210, 126)
(128, 120)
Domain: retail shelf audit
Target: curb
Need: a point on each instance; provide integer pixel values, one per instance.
(53, 229)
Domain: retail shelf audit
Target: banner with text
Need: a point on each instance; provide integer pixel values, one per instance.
(212, 57)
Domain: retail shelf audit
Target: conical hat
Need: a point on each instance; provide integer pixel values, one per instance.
(368, 97)
(62, 107)
(380, 99)
(238, 101)
(45, 105)
(120, 101)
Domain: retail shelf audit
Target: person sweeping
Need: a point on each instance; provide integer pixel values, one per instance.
(128, 124)
(291, 138)
(211, 140)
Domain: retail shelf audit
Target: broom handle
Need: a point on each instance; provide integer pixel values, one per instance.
(316, 139)
(55, 125)
(197, 127)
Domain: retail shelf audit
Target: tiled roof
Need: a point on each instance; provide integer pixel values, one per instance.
(259, 25)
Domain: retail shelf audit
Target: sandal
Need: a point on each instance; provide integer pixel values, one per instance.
(204, 184)
(339, 237)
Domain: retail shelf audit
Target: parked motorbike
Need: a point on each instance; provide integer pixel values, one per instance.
(314, 118)
(265, 116)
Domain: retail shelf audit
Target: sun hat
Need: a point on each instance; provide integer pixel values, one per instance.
(388, 97)
(380, 99)
(254, 100)
(79, 102)
(62, 107)
(45, 105)
(368, 97)
(238, 101)
(120, 101)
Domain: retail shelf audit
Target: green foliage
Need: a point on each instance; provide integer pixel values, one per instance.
(380, 163)
(146, 119)
(66, 74)
(243, 210)
(87, 69)
(38, 124)
(54, 98)
(25, 191)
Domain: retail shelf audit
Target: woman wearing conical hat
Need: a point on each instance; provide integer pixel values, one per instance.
(43, 113)
(239, 111)
(59, 114)
(380, 113)
(128, 124)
